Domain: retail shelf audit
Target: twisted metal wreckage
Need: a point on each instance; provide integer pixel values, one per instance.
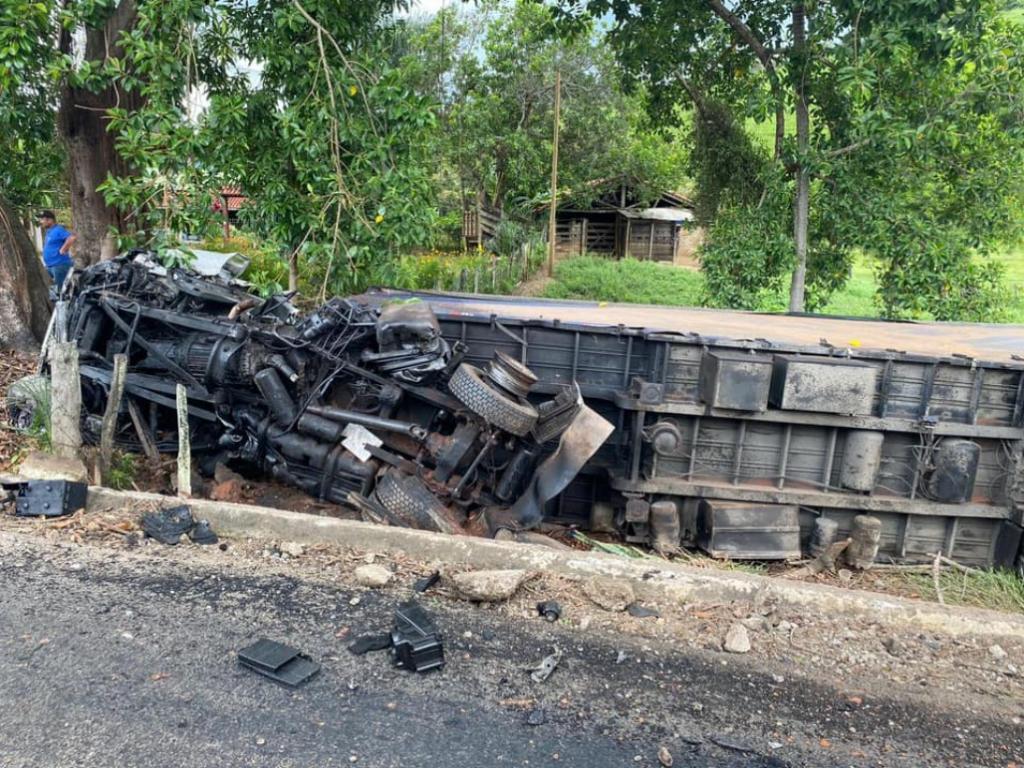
(466, 414)
(357, 405)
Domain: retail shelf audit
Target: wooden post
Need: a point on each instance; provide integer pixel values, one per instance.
(554, 177)
(293, 270)
(650, 242)
(65, 400)
(526, 260)
(583, 238)
(476, 280)
(109, 425)
(184, 446)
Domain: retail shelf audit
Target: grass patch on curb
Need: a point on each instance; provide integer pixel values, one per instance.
(998, 590)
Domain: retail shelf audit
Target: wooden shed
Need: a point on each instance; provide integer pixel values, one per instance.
(618, 224)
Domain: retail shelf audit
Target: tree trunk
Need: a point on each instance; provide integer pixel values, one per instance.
(801, 203)
(92, 156)
(24, 287)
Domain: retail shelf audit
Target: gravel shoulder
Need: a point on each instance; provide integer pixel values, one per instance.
(124, 654)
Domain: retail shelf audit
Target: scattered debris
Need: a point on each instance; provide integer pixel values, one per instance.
(168, 525)
(416, 644)
(49, 498)
(610, 594)
(550, 610)
(422, 585)
(638, 611)
(202, 533)
(380, 641)
(487, 586)
(281, 663)
(728, 742)
(665, 757)
(547, 665)
(736, 639)
(536, 716)
(373, 576)
(997, 652)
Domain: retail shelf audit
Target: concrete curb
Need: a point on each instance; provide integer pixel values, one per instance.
(652, 581)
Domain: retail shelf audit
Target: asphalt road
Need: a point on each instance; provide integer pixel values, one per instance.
(111, 658)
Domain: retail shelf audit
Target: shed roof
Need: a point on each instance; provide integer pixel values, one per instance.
(658, 214)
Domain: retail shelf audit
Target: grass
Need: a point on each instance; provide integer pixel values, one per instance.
(630, 281)
(999, 590)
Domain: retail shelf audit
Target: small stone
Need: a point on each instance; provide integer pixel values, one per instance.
(894, 646)
(778, 679)
(536, 717)
(665, 757)
(373, 576)
(260, 741)
(585, 622)
(774, 745)
(997, 652)
(292, 548)
(755, 623)
(610, 594)
(487, 586)
(845, 575)
(621, 657)
(785, 626)
(737, 640)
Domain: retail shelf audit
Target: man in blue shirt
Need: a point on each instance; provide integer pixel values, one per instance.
(57, 243)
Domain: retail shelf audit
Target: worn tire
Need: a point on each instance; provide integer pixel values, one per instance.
(413, 505)
(472, 391)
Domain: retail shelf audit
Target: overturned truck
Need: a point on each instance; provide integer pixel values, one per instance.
(461, 413)
(365, 406)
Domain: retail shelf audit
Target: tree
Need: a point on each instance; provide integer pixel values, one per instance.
(502, 103)
(303, 106)
(860, 80)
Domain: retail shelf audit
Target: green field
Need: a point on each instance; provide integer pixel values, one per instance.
(641, 282)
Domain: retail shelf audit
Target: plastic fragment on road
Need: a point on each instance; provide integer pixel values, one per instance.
(168, 525)
(278, 662)
(416, 644)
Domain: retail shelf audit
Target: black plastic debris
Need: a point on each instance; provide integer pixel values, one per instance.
(168, 525)
(536, 717)
(278, 662)
(422, 585)
(366, 643)
(638, 611)
(202, 533)
(49, 498)
(416, 644)
(550, 610)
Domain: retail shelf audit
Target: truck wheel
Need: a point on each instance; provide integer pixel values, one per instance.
(412, 503)
(472, 391)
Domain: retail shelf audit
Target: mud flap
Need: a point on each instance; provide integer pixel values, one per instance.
(578, 443)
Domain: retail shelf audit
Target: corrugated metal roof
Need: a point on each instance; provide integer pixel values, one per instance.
(658, 214)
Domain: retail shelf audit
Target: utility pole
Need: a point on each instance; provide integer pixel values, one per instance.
(554, 177)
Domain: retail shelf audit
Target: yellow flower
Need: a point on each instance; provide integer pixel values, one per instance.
(854, 343)
(379, 218)
(353, 90)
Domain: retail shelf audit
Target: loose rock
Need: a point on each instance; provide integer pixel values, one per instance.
(997, 652)
(487, 586)
(292, 549)
(737, 640)
(665, 757)
(374, 576)
(610, 594)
